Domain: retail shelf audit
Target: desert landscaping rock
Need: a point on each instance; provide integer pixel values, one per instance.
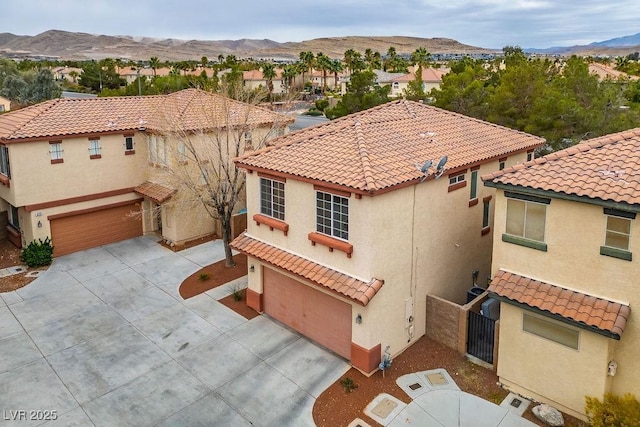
(549, 415)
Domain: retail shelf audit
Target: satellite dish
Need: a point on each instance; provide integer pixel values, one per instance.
(440, 167)
(424, 168)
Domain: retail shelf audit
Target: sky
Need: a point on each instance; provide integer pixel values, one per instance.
(482, 23)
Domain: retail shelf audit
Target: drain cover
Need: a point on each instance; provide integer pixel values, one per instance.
(516, 403)
(415, 386)
(437, 379)
(384, 408)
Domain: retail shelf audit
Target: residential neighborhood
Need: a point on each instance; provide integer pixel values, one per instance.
(331, 231)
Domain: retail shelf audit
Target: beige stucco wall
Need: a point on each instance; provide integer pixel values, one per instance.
(574, 233)
(5, 104)
(541, 369)
(425, 223)
(35, 180)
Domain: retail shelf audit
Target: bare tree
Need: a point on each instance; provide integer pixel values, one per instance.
(203, 136)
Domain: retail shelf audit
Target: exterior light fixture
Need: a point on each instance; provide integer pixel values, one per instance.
(359, 319)
(252, 268)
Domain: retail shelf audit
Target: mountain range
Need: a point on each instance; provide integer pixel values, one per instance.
(82, 46)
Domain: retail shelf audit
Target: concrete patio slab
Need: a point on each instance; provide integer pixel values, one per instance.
(17, 350)
(204, 412)
(218, 361)
(137, 403)
(176, 329)
(515, 403)
(96, 264)
(9, 325)
(96, 367)
(47, 282)
(34, 386)
(263, 336)
(413, 384)
(206, 253)
(413, 415)
(137, 251)
(475, 411)
(311, 368)
(86, 324)
(274, 399)
(215, 313)
(513, 420)
(157, 272)
(384, 408)
(227, 289)
(10, 298)
(74, 418)
(37, 312)
(443, 405)
(129, 294)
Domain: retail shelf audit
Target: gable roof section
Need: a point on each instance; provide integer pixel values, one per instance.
(378, 148)
(605, 168)
(156, 192)
(347, 286)
(186, 110)
(581, 309)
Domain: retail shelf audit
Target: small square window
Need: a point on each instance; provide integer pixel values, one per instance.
(618, 233)
(128, 143)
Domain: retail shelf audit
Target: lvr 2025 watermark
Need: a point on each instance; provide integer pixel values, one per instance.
(29, 415)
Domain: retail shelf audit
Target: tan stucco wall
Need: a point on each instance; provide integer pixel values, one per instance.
(542, 368)
(447, 248)
(35, 180)
(5, 103)
(574, 233)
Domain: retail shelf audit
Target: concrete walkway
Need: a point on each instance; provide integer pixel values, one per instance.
(103, 338)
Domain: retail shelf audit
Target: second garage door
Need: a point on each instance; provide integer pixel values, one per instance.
(321, 317)
(87, 230)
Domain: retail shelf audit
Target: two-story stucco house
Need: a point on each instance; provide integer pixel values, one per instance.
(347, 235)
(565, 268)
(86, 172)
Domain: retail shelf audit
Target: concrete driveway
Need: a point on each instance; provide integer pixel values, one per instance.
(103, 338)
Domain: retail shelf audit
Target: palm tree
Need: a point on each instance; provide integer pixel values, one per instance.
(269, 73)
(74, 75)
(154, 63)
(289, 72)
(349, 56)
(323, 62)
(306, 58)
(335, 68)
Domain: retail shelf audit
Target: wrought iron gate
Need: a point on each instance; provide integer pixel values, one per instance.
(480, 336)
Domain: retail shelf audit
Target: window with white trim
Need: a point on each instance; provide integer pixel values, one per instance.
(332, 215)
(272, 198)
(94, 147)
(552, 330)
(473, 193)
(4, 161)
(618, 232)
(151, 149)
(182, 152)
(55, 151)
(526, 219)
(455, 179)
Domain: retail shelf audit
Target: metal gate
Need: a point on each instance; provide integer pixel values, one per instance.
(480, 336)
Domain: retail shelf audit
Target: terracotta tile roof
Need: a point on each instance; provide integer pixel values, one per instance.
(187, 110)
(605, 168)
(603, 72)
(378, 148)
(340, 283)
(157, 192)
(585, 309)
(429, 75)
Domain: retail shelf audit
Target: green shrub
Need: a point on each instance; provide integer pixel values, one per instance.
(38, 253)
(348, 384)
(203, 276)
(321, 104)
(614, 410)
(313, 112)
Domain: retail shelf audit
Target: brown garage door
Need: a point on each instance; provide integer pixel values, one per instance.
(319, 316)
(87, 230)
